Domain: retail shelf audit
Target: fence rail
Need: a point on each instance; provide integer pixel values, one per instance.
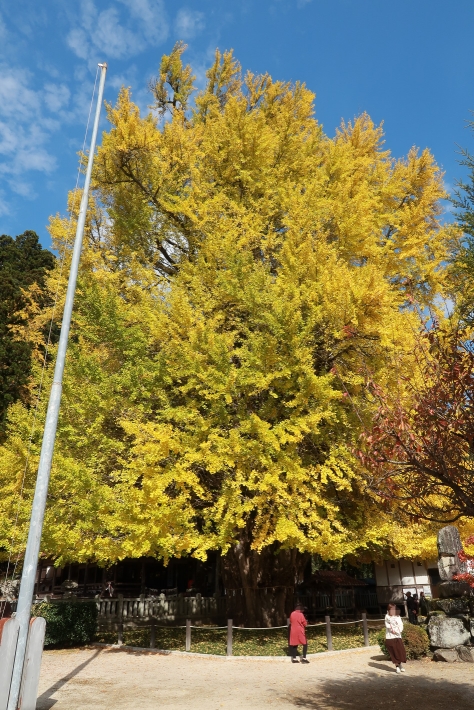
(230, 628)
(179, 608)
(142, 609)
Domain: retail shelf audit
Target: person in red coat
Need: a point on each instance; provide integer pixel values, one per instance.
(298, 625)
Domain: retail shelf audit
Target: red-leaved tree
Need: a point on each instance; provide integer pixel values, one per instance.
(465, 557)
(420, 450)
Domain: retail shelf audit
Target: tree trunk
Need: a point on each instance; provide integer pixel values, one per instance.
(260, 587)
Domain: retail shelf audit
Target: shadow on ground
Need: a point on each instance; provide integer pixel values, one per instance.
(45, 702)
(409, 691)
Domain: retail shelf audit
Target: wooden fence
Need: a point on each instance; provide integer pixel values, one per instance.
(142, 609)
(230, 629)
(176, 609)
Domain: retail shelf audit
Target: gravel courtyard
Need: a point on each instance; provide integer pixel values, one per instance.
(115, 679)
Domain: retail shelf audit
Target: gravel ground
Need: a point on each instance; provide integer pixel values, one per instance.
(115, 679)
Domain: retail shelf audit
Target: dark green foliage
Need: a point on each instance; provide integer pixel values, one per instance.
(464, 194)
(68, 623)
(463, 273)
(415, 639)
(23, 262)
(381, 641)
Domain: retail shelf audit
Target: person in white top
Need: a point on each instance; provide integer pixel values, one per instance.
(393, 638)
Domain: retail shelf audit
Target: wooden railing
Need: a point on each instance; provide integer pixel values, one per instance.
(168, 610)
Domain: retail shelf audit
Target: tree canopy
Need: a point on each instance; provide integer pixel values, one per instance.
(242, 272)
(23, 262)
(420, 448)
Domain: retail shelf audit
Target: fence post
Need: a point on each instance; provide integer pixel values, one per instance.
(120, 607)
(328, 632)
(366, 628)
(152, 634)
(31, 669)
(289, 631)
(188, 634)
(229, 637)
(8, 637)
(120, 633)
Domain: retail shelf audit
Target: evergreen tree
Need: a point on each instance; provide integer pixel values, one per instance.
(463, 267)
(23, 262)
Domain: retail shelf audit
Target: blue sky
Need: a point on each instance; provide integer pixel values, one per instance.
(406, 62)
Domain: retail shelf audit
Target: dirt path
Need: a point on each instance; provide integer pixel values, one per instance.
(118, 680)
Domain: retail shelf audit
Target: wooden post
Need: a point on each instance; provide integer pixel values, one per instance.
(188, 634)
(143, 576)
(84, 589)
(366, 628)
(120, 633)
(153, 634)
(8, 637)
(289, 631)
(216, 581)
(31, 669)
(328, 632)
(229, 637)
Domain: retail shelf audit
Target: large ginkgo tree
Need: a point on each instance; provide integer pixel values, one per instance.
(242, 272)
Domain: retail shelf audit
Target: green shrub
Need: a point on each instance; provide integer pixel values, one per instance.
(68, 623)
(415, 640)
(381, 641)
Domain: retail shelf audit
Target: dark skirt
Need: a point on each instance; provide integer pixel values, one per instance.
(396, 651)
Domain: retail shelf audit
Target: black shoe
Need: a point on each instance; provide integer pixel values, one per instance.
(304, 660)
(294, 660)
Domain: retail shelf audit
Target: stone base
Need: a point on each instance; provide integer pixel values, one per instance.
(460, 654)
(446, 632)
(435, 612)
(448, 655)
(465, 654)
(452, 607)
(448, 590)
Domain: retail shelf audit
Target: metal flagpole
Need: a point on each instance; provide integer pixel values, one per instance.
(25, 596)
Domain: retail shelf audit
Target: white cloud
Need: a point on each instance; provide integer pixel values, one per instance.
(23, 188)
(189, 23)
(151, 17)
(25, 129)
(16, 98)
(77, 41)
(4, 206)
(116, 32)
(56, 96)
